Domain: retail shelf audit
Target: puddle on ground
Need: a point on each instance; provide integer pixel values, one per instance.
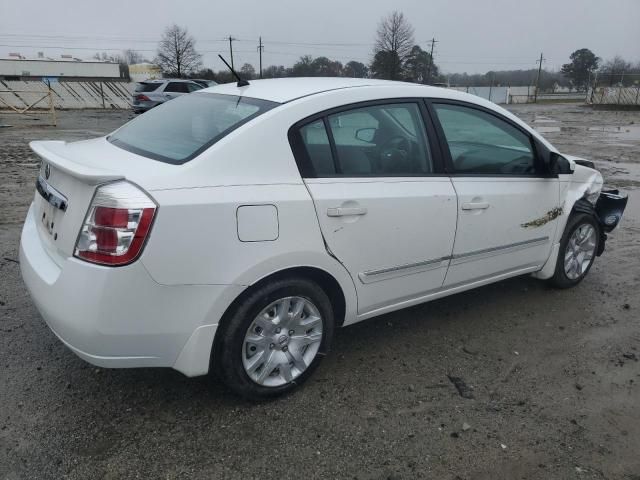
(541, 119)
(620, 174)
(622, 132)
(548, 129)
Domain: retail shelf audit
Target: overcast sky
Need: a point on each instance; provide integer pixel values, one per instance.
(473, 35)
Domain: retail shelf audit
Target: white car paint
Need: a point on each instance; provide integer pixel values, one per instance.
(410, 220)
(583, 182)
(506, 204)
(240, 212)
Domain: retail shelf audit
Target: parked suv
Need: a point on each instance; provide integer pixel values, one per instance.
(205, 83)
(232, 230)
(154, 92)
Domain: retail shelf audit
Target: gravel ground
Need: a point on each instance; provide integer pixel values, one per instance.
(547, 380)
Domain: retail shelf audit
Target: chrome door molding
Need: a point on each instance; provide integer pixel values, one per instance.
(371, 276)
(378, 275)
(493, 251)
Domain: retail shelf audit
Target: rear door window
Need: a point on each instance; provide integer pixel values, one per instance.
(379, 141)
(177, 131)
(178, 87)
(147, 87)
(316, 142)
(192, 87)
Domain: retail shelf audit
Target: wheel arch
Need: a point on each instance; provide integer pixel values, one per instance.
(340, 300)
(578, 205)
(324, 279)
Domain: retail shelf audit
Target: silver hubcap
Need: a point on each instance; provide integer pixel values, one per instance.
(580, 250)
(282, 341)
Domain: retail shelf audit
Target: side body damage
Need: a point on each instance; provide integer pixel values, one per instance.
(582, 192)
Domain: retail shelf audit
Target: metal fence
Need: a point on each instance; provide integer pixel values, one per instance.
(65, 94)
(614, 95)
(493, 94)
(34, 101)
(521, 94)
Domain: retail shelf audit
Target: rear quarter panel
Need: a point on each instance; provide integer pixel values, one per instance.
(195, 238)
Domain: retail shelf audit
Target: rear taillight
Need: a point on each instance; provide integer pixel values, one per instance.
(116, 226)
(142, 98)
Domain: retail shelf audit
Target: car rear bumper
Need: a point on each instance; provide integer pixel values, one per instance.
(144, 106)
(120, 317)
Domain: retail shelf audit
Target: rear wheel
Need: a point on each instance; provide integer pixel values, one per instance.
(577, 252)
(275, 338)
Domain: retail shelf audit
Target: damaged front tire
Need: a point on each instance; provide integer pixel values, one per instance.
(578, 249)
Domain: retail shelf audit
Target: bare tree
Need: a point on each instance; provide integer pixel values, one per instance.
(177, 55)
(247, 71)
(614, 70)
(395, 34)
(131, 57)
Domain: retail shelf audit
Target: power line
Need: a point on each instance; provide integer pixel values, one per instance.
(204, 40)
(66, 47)
(216, 51)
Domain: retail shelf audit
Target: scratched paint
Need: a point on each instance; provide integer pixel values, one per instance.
(546, 218)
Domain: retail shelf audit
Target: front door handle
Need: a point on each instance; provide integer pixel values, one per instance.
(345, 211)
(475, 206)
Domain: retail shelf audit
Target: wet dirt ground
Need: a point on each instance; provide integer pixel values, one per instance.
(514, 380)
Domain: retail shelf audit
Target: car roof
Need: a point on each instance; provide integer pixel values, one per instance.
(284, 90)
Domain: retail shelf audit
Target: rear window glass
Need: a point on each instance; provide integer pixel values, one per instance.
(147, 87)
(178, 130)
(182, 87)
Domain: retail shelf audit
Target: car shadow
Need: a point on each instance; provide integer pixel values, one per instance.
(459, 314)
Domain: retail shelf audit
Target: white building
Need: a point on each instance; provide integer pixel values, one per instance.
(139, 72)
(25, 69)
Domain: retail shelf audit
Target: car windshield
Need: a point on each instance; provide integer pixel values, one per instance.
(147, 87)
(177, 131)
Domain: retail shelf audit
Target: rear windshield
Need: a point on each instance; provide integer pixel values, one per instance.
(147, 87)
(177, 131)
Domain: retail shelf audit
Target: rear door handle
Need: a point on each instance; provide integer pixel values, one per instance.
(475, 206)
(345, 211)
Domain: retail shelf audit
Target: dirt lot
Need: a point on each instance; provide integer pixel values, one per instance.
(554, 375)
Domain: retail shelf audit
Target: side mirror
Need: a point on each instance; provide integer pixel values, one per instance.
(559, 165)
(366, 134)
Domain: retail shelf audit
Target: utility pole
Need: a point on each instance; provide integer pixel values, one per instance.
(260, 49)
(535, 95)
(491, 84)
(231, 39)
(433, 42)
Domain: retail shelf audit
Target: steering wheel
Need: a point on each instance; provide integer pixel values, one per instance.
(521, 164)
(396, 148)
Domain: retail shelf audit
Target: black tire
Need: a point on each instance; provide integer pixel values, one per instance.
(227, 360)
(577, 220)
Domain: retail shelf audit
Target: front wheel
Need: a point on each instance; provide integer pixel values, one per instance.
(577, 252)
(275, 338)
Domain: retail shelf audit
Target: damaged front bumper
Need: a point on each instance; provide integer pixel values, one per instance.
(610, 207)
(608, 210)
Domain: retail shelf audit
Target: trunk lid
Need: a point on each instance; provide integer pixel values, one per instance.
(64, 190)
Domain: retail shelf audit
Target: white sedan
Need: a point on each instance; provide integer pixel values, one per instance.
(233, 229)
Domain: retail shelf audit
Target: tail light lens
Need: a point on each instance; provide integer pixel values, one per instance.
(116, 226)
(142, 98)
